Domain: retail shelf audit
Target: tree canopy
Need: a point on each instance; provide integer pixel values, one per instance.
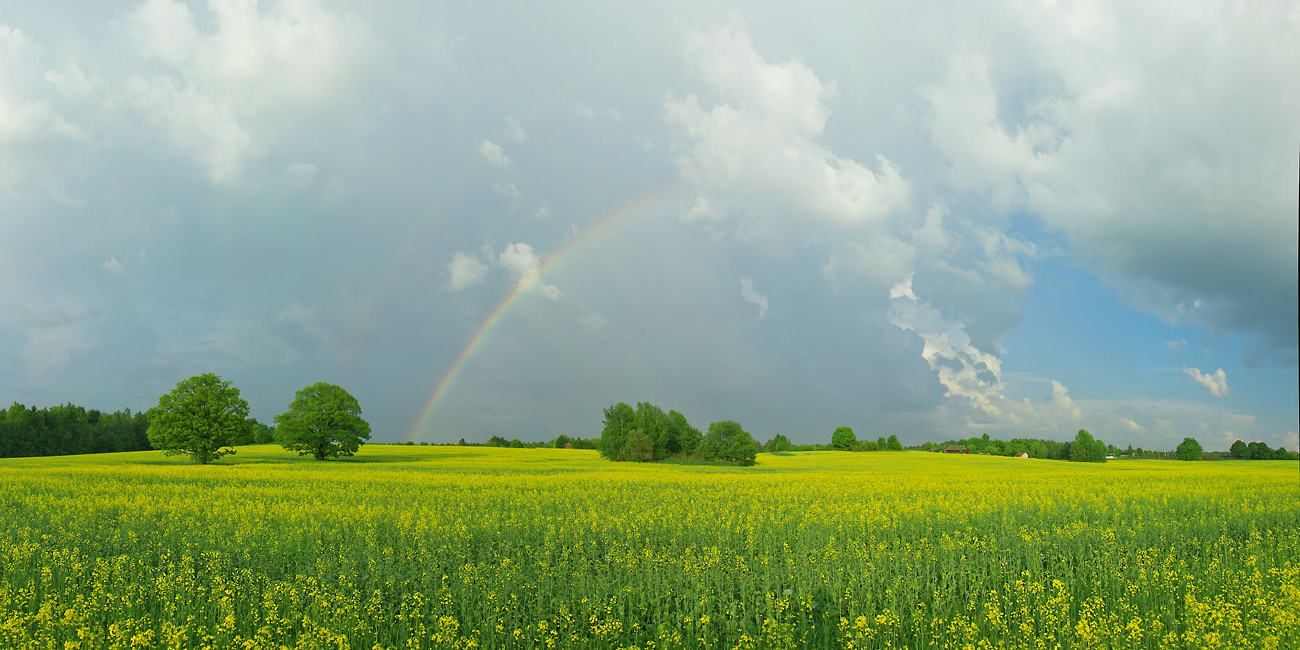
(843, 439)
(323, 420)
(1188, 449)
(646, 433)
(1239, 450)
(727, 441)
(778, 443)
(200, 417)
(1086, 449)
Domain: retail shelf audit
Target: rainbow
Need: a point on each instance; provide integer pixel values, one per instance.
(642, 206)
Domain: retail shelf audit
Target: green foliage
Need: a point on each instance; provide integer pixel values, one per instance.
(638, 446)
(200, 417)
(669, 433)
(1085, 449)
(683, 438)
(1188, 449)
(778, 444)
(1239, 450)
(882, 444)
(255, 433)
(324, 421)
(844, 440)
(1261, 451)
(651, 421)
(618, 423)
(725, 440)
(561, 440)
(497, 441)
(1061, 451)
(894, 444)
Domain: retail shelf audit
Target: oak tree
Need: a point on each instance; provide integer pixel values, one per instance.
(200, 417)
(323, 420)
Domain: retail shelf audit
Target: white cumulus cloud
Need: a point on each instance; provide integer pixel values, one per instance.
(493, 153)
(1216, 382)
(753, 297)
(760, 148)
(222, 94)
(465, 271)
(522, 262)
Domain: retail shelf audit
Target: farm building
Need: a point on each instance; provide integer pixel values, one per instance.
(1022, 455)
(956, 449)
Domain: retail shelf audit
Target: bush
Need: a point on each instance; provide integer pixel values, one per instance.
(725, 440)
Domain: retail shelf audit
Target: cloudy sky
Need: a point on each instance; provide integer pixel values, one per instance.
(1021, 218)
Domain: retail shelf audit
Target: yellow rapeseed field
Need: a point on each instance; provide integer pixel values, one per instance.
(445, 547)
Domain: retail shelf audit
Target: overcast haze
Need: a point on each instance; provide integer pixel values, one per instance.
(932, 220)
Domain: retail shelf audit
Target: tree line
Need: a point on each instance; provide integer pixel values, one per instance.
(203, 417)
(1084, 448)
(69, 429)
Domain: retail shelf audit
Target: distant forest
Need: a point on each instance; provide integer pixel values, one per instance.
(70, 429)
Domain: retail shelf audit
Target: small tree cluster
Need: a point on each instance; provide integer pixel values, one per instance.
(1086, 449)
(843, 439)
(204, 417)
(647, 434)
(1258, 451)
(727, 441)
(777, 444)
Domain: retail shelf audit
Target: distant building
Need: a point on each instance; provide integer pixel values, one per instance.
(1022, 455)
(568, 445)
(956, 449)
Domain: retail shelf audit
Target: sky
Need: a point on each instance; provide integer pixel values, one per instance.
(931, 220)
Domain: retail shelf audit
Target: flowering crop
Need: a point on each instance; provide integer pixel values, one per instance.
(455, 547)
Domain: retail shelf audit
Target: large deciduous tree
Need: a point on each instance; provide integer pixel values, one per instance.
(1188, 449)
(844, 440)
(323, 420)
(200, 417)
(1239, 450)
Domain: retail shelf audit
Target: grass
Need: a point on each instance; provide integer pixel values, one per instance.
(536, 548)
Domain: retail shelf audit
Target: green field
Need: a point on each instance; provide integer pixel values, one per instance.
(431, 547)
